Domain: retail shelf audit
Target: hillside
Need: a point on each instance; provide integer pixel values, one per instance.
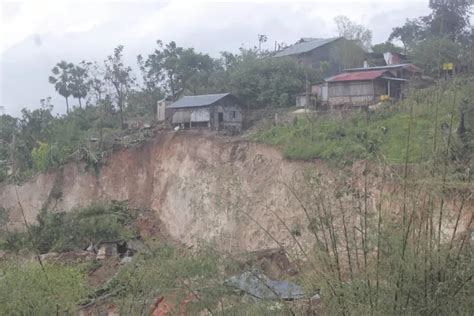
(196, 182)
(326, 189)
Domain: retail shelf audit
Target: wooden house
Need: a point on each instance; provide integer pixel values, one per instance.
(213, 111)
(368, 85)
(361, 88)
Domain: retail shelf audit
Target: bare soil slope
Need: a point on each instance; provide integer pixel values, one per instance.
(202, 187)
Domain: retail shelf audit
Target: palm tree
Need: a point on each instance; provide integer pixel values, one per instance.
(262, 38)
(79, 81)
(62, 80)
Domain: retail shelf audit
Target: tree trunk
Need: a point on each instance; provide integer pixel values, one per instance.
(80, 103)
(121, 113)
(67, 105)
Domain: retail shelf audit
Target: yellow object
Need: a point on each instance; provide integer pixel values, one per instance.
(448, 66)
(384, 97)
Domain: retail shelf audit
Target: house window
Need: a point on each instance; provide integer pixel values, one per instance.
(233, 114)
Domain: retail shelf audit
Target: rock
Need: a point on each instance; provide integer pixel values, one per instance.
(126, 260)
(49, 257)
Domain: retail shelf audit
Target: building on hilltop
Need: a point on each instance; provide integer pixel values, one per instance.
(329, 54)
(360, 88)
(214, 111)
(369, 85)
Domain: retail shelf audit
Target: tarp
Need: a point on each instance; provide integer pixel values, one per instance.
(261, 287)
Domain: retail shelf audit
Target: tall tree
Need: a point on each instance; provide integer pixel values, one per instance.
(80, 83)
(348, 54)
(152, 78)
(97, 82)
(386, 47)
(172, 67)
(262, 38)
(431, 53)
(120, 77)
(261, 82)
(353, 31)
(449, 18)
(62, 80)
(409, 34)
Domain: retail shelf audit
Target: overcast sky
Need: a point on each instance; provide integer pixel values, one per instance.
(36, 34)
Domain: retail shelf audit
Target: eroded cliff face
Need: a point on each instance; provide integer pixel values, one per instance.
(232, 194)
(203, 188)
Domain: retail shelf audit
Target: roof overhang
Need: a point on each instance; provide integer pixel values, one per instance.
(394, 79)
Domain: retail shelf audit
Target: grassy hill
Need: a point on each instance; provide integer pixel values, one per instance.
(420, 124)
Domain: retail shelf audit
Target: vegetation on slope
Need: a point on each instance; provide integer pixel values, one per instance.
(425, 116)
(31, 289)
(413, 257)
(75, 230)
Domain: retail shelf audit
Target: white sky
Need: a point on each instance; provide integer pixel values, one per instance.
(36, 34)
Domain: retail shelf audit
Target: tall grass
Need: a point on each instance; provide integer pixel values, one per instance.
(393, 240)
(328, 136)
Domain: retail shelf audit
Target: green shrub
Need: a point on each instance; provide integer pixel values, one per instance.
(29, 290)
(425, 116)
(76, 229)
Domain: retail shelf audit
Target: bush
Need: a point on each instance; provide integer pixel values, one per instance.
(75, 230)
(30, 290)
(426, 115)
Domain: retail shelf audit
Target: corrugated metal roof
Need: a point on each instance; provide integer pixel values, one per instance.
(197, 100)
(388, 67)
(261, 287)
(394, 79)
(357, 76)
(306, 45)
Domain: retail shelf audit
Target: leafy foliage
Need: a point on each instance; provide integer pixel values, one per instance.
(120, 77)
(38, 140)
(386, 47)
(353, 31)
(60, 231)
(43, 157)
(27, 289)
(176, 69)
(331, 138)
(445, 35)
(269, 81)
(430, 54)
(166, 271)
(62, 80)
(409, 34)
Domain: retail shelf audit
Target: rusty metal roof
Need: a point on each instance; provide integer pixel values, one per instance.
(357, 76)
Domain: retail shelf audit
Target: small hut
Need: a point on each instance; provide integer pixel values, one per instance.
(213, 111)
